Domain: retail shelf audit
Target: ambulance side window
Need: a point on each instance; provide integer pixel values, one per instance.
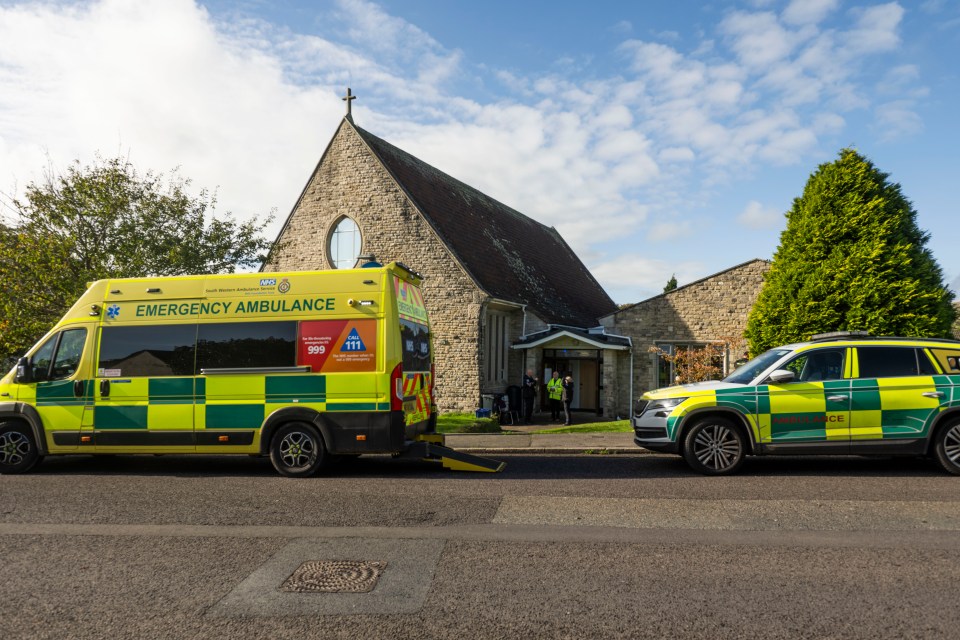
(246, 345)
(152, 350)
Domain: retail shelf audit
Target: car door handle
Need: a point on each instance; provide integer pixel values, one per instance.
(78, 388)
(104, 388)
(837, 398)
(932, 394)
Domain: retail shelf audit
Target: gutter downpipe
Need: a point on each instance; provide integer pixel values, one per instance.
(523, 334)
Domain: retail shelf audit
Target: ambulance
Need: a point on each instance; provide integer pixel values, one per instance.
(303, 367)
(839, 393)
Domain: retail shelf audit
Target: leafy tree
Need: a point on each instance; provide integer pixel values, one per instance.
(671, 284)
(851, 258)
(107, 221)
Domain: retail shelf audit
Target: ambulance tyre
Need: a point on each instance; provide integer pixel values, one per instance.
(714, 446)
(946, 447)
(18, 449)
(297, 451)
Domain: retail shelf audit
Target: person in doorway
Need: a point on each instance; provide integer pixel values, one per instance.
(529, 394)
(566, 397)
(554, 393)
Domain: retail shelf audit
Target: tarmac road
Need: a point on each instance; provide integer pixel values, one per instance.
(618, 546)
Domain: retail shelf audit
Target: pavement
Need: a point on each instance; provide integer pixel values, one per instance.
(520, 439)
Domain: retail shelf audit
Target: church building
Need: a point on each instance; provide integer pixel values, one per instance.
(505, 293)
(493, 275)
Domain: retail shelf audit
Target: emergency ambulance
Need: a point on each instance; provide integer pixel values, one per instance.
(303, 367)
(840, 393)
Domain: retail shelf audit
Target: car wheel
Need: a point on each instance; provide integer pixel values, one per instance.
(297, 451)
(714, 446)
(18, 449)
(946, 448)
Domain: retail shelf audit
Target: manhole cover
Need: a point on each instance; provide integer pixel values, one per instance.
(334, 576)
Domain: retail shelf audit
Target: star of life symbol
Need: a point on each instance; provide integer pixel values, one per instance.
(113, 311)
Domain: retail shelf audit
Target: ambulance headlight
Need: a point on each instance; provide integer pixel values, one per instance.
(662, 408)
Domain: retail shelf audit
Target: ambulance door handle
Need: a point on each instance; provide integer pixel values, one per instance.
(104, 388)
(78, 386)
(837, 398)
(932, 394)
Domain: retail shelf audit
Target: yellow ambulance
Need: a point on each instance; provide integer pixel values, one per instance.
(302, 367)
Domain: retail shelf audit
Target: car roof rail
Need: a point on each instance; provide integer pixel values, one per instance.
(840, 335)
(865, 335)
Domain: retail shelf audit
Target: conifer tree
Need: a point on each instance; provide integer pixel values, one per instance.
(671, 284)
(851, 258)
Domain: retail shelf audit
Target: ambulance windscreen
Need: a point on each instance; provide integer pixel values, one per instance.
(415, 342)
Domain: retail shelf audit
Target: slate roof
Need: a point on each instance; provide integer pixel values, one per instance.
(510, 256)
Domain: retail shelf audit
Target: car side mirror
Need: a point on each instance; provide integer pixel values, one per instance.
(781, 376)
(24, 371)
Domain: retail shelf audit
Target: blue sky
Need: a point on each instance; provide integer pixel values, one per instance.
(657, 137)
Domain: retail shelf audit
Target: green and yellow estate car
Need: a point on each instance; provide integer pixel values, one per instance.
(840, 393)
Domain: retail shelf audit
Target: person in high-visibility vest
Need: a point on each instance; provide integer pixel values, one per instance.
(554, 391)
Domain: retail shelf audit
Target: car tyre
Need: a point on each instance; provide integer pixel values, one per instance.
(297, 450)
(18, 448)
(715, 446)
(946, 448)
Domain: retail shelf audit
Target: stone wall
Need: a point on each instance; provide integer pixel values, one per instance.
(703, 311)
(350, 181)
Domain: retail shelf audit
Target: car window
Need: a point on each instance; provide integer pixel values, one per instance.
(923, 361)
(40, 361)
(68, 354)
(887, 362)
(747, 372)
(815, 366)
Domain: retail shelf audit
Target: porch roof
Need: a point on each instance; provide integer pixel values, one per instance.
(596, 340)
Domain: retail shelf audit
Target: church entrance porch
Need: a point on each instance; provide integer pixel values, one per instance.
(581, 353)
(584, 365)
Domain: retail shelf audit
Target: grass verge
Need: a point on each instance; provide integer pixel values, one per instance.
(466, 423)
(615, 426)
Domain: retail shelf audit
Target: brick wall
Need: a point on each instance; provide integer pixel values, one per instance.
(703, 311)
(350, 181)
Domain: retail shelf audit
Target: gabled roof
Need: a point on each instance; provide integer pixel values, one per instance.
(510, 256)
(601, 340)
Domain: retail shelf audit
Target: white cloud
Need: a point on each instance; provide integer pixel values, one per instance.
(896, 119)
(876, 29)
(634, 278)
(249, 106)
(757, 216)
(669, 230)
(808, 11)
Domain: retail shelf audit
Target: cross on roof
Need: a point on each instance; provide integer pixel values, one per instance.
(348, 99)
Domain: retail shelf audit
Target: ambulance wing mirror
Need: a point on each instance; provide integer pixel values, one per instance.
(781, 376)
(24, 371)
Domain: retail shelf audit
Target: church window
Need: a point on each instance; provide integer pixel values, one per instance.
(496, 347)
(343, 246)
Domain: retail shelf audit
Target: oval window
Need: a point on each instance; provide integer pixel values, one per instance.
(344, 244)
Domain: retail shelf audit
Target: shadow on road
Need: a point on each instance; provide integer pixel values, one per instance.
(536, 467)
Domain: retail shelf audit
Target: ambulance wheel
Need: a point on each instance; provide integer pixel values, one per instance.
(714, 446)
(18, 449)
(296, 450)
(946, 448)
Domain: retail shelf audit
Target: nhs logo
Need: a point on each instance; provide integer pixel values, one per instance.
(268, 282)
